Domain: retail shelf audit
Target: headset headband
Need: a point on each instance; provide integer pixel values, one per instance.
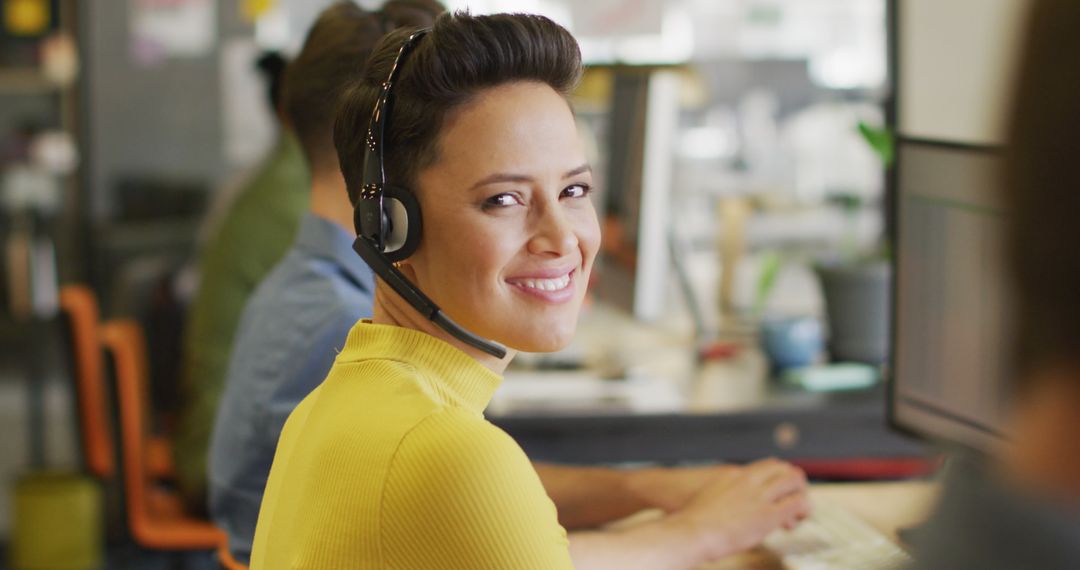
(371, 219)
(370, 222)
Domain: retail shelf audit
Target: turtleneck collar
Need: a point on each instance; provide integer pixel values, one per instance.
(454, 374)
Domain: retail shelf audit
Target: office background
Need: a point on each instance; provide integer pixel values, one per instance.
(754, 151)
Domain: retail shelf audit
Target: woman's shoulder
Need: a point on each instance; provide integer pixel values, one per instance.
(453, 430)
(470, 491)
(457, 460)
(452, 438)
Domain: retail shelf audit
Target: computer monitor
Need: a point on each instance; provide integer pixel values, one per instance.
(632, 266)
(954, 64)
(951, 350)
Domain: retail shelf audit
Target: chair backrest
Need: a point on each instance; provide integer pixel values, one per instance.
(80, 311)
(226, 560)
(123, 339)
(156, 517)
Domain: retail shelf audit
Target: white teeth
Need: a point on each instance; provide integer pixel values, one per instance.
(547, 284)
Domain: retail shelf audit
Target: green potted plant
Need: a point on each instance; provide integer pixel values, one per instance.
(855, 283)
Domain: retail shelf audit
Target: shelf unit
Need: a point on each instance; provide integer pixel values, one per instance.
(26, 82)
(18, 83)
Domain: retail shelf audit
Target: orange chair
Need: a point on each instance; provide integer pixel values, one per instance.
(82, 319)
(156, 517)
(226, 560)
(80, 310)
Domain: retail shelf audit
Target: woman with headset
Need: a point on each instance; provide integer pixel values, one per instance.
(471, 195)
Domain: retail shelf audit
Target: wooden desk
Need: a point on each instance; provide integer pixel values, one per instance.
(885, 506)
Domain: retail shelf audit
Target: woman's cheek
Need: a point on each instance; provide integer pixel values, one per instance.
(590, 239)
(488, 258)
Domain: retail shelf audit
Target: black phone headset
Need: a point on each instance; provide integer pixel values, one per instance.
(388, 221)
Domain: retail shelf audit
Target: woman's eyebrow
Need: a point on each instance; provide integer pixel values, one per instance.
(579, 170)
(501, 177)
(510, 177)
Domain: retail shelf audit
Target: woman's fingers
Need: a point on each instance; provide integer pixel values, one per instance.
(789, 481)
(792, 509)
(777, 478)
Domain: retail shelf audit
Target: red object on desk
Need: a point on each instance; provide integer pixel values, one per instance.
(867, 469)
(719, 350)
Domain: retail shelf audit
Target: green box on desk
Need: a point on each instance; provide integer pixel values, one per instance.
(58, 523)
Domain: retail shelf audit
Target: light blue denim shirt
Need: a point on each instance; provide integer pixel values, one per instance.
(291, 330)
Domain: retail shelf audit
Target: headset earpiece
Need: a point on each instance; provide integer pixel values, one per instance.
(403, 224)
(400, 223)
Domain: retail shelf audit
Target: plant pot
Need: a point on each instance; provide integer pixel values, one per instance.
(857, 307)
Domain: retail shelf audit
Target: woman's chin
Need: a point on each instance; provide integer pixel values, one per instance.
(548, 341)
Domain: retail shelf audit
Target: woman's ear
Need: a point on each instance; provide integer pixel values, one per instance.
(406, 268)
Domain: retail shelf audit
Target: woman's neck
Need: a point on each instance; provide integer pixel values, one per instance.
(392, 309)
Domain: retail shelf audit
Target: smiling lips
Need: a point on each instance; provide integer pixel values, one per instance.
(546, 284)
(551, 289)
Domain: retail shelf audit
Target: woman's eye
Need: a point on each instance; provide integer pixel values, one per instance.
(576, 191)
(501, 201)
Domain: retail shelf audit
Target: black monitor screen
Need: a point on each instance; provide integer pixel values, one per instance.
(951, 356)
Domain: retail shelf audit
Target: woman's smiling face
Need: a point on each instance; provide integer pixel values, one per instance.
(510, 233)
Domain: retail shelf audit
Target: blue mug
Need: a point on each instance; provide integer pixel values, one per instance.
(792, 342)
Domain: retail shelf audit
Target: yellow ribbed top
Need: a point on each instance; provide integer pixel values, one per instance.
(391, 464)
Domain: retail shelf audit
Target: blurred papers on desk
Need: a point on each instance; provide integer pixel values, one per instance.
(577, 392)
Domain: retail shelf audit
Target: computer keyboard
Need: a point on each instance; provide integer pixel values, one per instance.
(834, 539)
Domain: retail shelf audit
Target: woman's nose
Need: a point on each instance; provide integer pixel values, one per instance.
(554, 234)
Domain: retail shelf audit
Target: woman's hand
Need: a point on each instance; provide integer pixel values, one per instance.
(733, 509)
(740, 507)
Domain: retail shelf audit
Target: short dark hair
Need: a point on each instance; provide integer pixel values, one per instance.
(1042, 190)
(271, 65)
(335, 50)
(461, 56)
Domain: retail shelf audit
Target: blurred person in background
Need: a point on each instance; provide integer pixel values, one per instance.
(247, 233)
(298, 317)
(271, 67)
(1023, 510)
